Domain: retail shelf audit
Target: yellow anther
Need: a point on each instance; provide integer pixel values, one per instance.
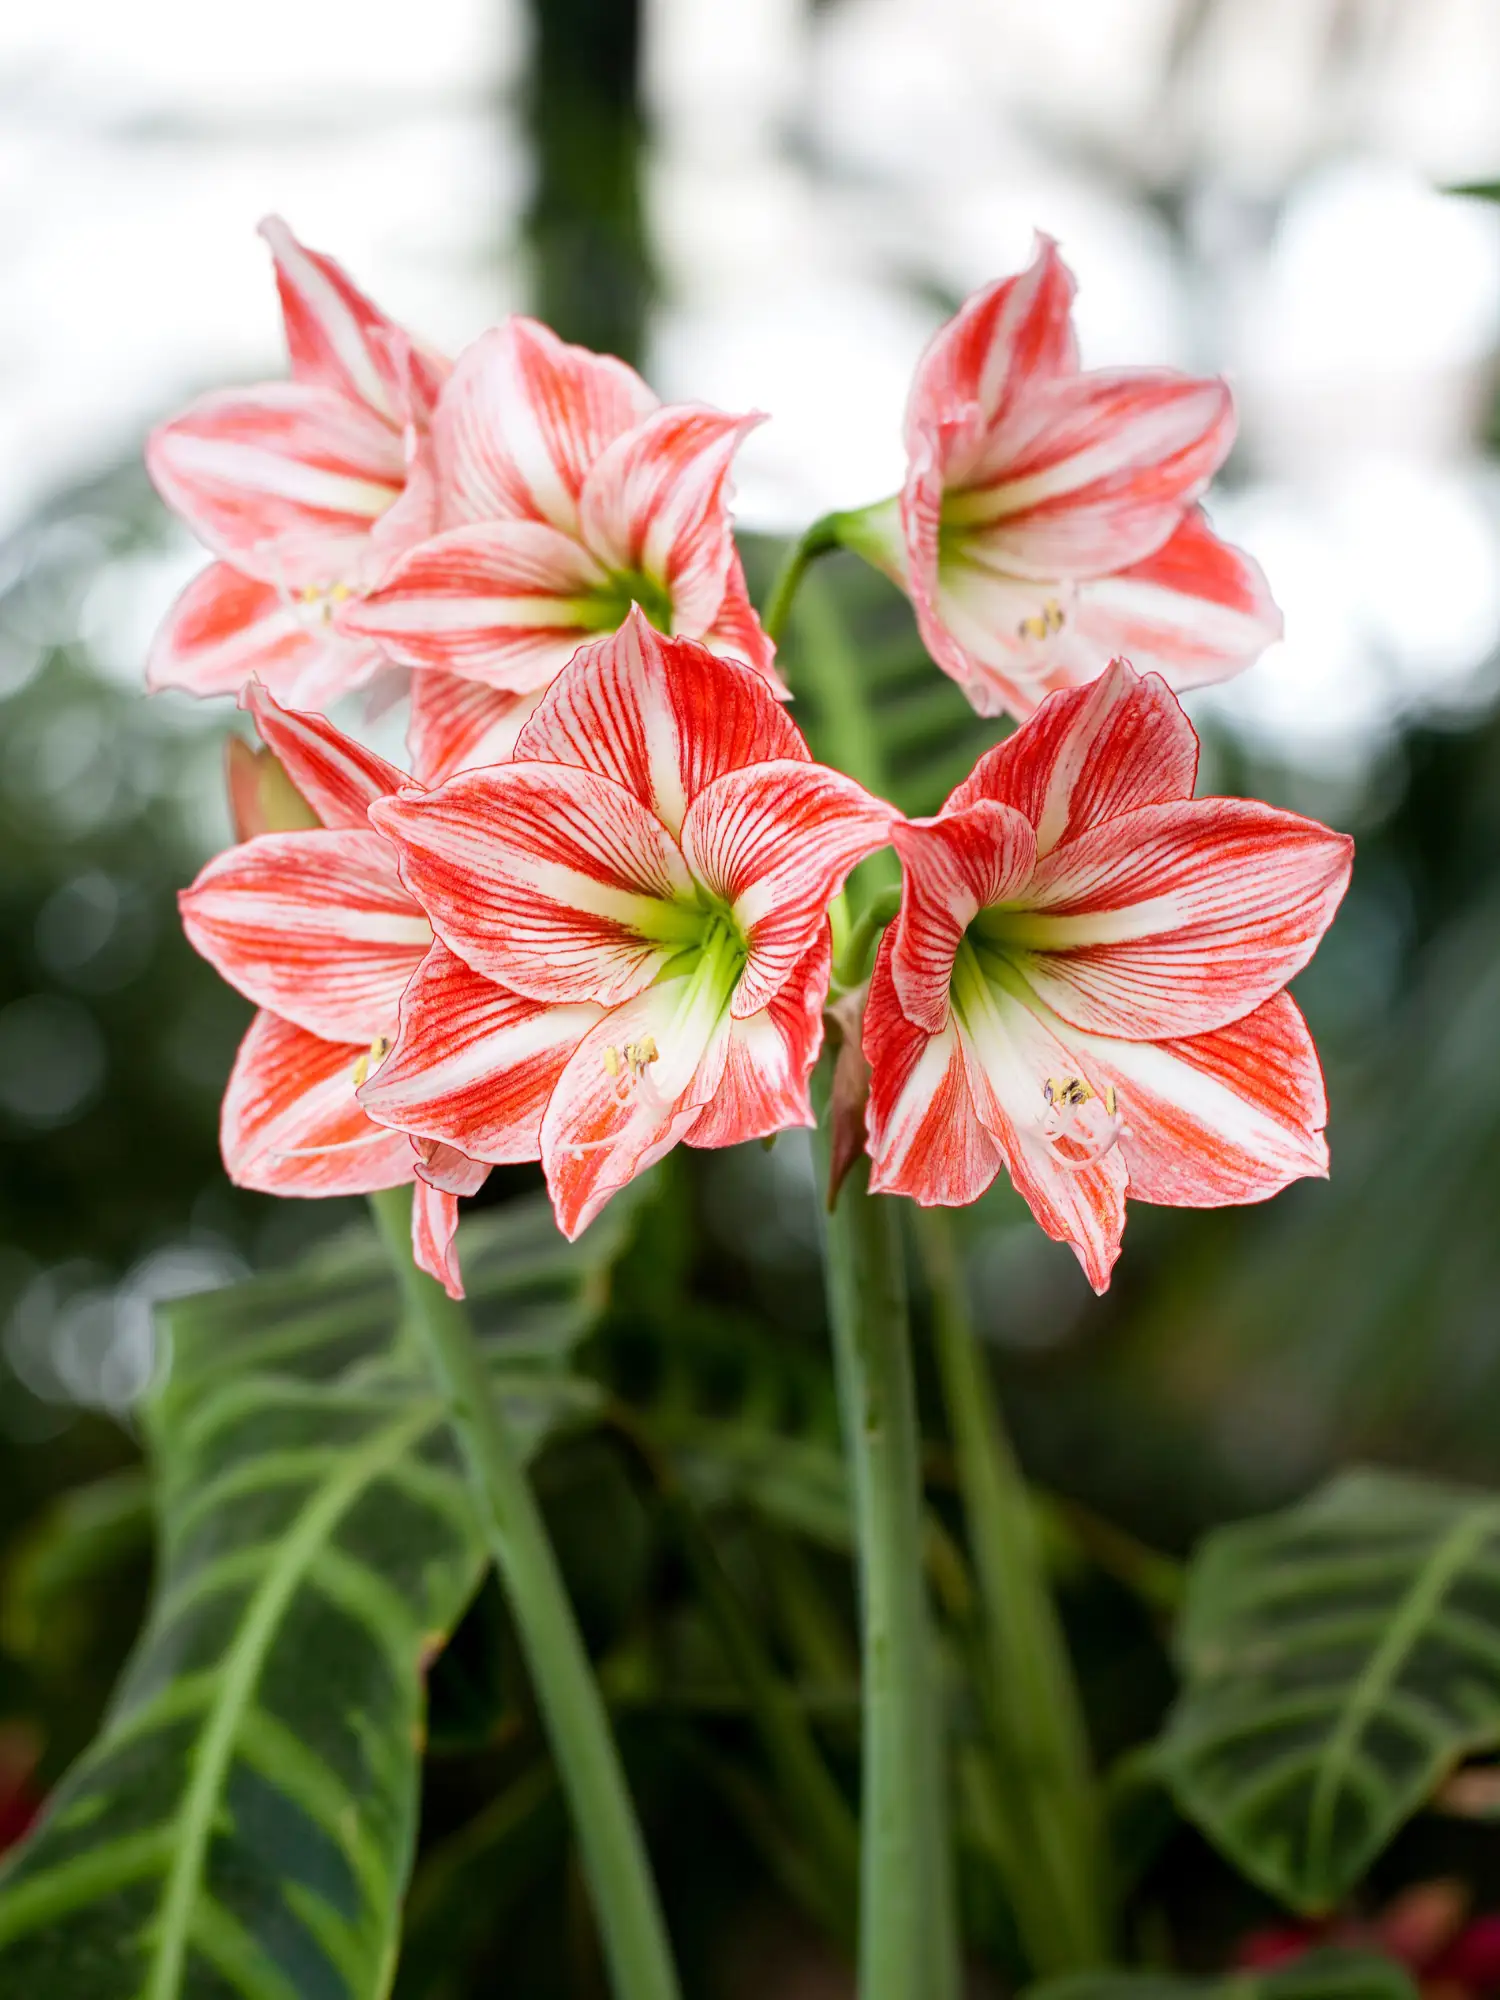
(1044, 623)
(320, 599)
(1074, 1090)
(372, 1058)
(629, 1064)
(1077, 1135)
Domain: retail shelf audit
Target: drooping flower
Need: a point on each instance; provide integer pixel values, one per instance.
(1048, 521)
(568, 493)
(315, 926)
(1084, 981)
(633, 943)
(305, 490)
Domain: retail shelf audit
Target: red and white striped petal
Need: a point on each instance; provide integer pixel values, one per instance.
(227, 627)
(1230, 1116)
(662, 717)
(473, 1064)
(954, 867)
(1088, 755)
(411, 520)
(506, 602)
(291, 1123)
(1089, 472)
(655, 505)
(736, 632)
(460, 725)
(604, 1123)
(1011, 1055)
(1178, 919)
(315, 926)
(925, 1138)
(434, 1229)
(763, 1086)
(444, 1166)
(523, 419)
(1198, 610)
(920, 510)
(340, 339)
(1007, 640)
(551, 880)
(775, 841)
(1002, 341)
(338, 777)
(286, 479)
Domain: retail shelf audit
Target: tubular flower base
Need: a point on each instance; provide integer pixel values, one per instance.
(1084, 982)
(1047, 523)
(568, 493)
(315, 926)
(632, 926)
(305, 489)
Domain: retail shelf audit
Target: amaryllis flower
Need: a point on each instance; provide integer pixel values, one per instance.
(632, 923)
(305, 489)
(1084, 981)
(315, 926)
(568, 493)
(1047, 524)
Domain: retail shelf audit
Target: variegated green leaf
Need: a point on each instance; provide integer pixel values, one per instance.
(1340, 1658)
(244, 1824)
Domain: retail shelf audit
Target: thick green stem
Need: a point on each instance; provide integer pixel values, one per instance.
(820, 540)
(908, 1943)
(1048, 1793)
(614, 1855)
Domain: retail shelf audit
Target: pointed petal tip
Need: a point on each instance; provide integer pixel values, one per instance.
(1046, 251)
(1097, 1262)
(255, 697)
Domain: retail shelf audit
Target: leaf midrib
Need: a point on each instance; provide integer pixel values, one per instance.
(1427, 1591)
(242, 1666)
